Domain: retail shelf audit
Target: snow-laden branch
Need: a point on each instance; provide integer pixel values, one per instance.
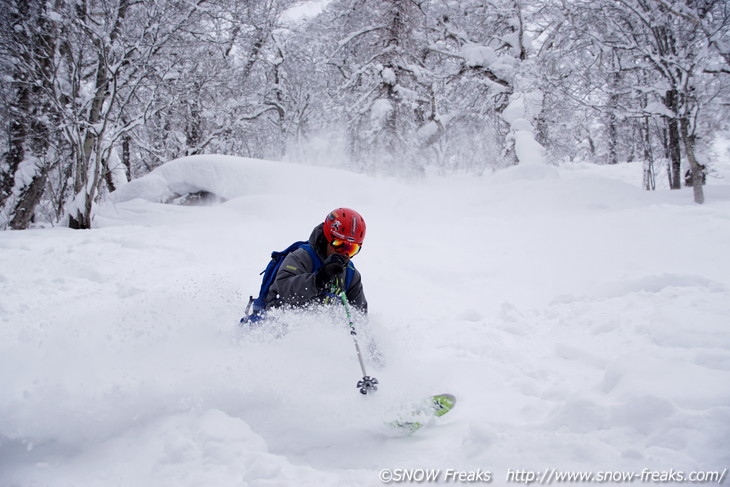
(475, 58)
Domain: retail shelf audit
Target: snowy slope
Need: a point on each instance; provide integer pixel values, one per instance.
(581, 321)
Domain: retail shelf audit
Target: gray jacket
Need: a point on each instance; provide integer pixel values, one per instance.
(294, 282)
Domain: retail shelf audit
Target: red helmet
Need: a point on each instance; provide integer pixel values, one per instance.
(344, 224)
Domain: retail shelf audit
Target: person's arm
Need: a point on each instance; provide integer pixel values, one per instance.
(294, 283)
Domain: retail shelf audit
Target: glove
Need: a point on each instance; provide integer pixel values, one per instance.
(331, 267)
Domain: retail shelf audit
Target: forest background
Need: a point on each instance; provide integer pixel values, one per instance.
(96, 93)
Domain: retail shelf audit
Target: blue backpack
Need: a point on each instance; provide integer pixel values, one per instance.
(259, 303)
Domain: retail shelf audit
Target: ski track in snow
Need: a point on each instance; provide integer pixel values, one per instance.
(580, 321)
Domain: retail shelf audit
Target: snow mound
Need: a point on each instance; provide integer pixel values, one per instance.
(225, 177)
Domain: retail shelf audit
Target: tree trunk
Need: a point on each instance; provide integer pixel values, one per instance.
(613, 102)
(16, 152)
(673, 141)
(29, 198)
(612, 138)
(695, 168)
(649, 175)
(33, 114)
(18, 125)
(127, 155)
(92, 140)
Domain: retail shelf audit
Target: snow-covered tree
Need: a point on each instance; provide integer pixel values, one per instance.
(122, 86)
(492, 73)
(87, 66)
(223, 91)
(384, 90)
(28, 46)
(651, 64)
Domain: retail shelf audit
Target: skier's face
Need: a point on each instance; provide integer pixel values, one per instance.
(347, 249)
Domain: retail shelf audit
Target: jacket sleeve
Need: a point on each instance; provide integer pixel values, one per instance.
(294, 283)
(355, 293)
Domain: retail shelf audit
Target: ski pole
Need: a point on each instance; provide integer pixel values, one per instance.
(367, 384)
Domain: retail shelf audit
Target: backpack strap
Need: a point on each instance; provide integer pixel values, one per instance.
(316, 261)
(349, 274)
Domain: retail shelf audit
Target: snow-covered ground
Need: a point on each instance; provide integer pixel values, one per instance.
(581, 321)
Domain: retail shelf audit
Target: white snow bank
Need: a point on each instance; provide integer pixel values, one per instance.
(227, 177)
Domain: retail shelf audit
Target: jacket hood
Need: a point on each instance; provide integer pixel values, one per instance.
(318, 241)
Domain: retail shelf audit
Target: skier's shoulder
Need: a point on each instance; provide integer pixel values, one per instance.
(300, 258)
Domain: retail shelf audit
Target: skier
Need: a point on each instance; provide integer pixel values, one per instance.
(317, 271)
(335, 241)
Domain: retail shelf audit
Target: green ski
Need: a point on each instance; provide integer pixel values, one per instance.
(425, 413)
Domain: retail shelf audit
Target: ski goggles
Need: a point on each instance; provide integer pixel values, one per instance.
(346, 248)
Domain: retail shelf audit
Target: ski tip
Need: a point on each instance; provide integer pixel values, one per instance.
(424, 414)
(443, 403)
